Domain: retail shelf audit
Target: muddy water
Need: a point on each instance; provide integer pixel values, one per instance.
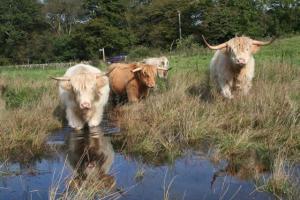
(192, 176)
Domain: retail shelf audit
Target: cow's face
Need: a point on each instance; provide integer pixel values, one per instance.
(85, 88)
(146, 74)
(240, 50)
(164, 64)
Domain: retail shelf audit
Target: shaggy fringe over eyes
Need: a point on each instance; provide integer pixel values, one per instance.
(240, 43)
(83, 81)
(149, 70)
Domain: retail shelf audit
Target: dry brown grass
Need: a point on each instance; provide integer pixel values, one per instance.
(260, 124)
(24, 129)
(92, 187)
(270, 114)
(177, 117)
(156, 123)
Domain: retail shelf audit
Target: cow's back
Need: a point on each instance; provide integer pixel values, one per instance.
(81, 68)
(120, 75)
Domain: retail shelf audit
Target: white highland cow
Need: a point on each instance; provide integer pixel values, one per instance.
(83, 91)
(232, 66)
(161, 62)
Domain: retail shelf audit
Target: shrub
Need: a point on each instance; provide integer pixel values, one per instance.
(142, 52)
(17, 97)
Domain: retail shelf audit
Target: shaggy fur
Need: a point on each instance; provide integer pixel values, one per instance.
(232, 68)
(84, 95)
(133, 84)
(159, 62)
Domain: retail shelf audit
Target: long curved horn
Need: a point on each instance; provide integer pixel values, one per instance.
(217, 47)
(161, 68)
(61, 78)
(261, 43)
(137, 69)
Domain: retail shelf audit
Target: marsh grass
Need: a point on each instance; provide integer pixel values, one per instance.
(26, 118)
(167, 187)
(279, 182)
(89, 189)
(259, 124)
(95, 186)
(186, 111)
(140, 173)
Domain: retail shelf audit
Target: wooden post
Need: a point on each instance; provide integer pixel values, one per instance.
(103, 53)
(179, 24)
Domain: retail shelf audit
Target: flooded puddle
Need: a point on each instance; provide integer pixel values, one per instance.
(193, 176)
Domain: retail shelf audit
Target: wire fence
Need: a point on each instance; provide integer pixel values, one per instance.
(46, 65)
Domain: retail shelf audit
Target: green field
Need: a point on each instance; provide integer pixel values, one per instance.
(261, 129)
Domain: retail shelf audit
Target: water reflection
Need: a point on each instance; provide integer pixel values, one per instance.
(90, 155)
(86, 162)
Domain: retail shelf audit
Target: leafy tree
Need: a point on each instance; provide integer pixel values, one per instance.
(62, 15)
(284, 16)
(223, 19)
(18, 21)
(156, 23)
(61, 30)
(107, 28)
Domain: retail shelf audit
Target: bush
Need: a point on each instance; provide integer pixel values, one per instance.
(142, 52)
(187, 43)
(189, 46)
(4, 61)
(17, 97)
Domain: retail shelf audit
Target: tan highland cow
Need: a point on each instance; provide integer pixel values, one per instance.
(133, 80)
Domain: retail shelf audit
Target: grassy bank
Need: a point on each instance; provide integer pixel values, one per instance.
(28, 100)
(256, 133)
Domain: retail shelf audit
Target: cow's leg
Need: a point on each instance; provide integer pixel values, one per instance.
(245, 77)
(114, 98)
(73, 120)
(245, 88)
(225, 87)
(132, 93)
(146, 93)
(244, 84)
(96, 118)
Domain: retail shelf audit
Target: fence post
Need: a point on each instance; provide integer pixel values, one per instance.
(103, 54)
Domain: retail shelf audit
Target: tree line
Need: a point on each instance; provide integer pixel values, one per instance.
(39, 31)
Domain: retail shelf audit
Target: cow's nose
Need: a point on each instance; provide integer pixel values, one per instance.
(241, 61)
(151, 85)
(85, 105)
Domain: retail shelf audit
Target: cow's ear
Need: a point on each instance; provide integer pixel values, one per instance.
(100, 82)
(225, 50)
(255, 48)
(66, 85)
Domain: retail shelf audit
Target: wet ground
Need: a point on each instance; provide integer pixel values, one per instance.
(192, 176)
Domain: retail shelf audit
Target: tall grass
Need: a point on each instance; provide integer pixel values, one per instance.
(185, 111)
(26, 118)
(260, 124)
(96, 185)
